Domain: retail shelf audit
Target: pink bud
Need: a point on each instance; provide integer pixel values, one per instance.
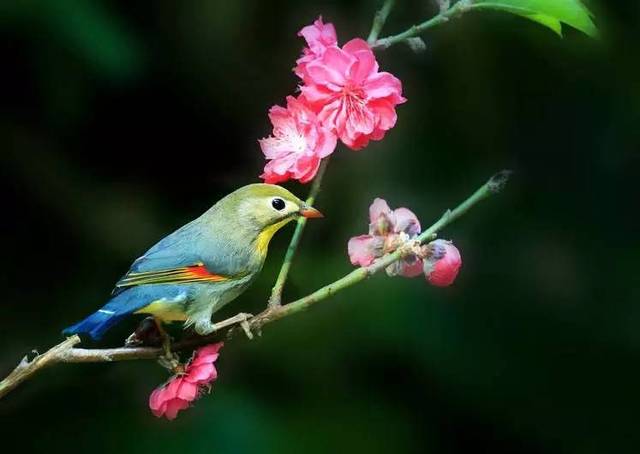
(443, 263)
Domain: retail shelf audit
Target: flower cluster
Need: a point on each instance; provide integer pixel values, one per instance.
(343, 95)
(389, 229)
(188, 385)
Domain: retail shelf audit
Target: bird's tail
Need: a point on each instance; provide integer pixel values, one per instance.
(94, 325)
(100, 321)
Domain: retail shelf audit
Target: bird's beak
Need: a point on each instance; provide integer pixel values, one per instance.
(310, 212)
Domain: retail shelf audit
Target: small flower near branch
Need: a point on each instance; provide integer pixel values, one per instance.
(389, 230)
(190, 381)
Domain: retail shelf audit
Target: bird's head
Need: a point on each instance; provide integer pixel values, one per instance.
(265, 208)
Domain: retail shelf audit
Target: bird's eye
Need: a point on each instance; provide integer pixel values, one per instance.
(278, 204)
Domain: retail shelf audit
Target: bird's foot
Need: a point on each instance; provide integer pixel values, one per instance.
(166, 342)
(146, 334)
(241, 319)
(172, 363)
(150, 333)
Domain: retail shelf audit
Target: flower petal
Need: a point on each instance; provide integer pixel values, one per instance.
(364, 249)
(378, 208)
(385, 114)
(326, 144)
(202, 374)
(319, 35)
(411, 268)
(327, 75)
(188, 391)
(356, 45)
(207, 354)
(383, 85)
(406, 221)
(317, 95)
(365, 65)
(307, 168)
(174, 406)
(382, 220)
(157, 403)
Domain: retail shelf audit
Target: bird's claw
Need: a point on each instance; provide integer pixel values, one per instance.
(146, 334)
(247, 329)
(133, 341)
(241, 319)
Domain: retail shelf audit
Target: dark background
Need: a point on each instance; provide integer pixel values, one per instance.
(122, 120)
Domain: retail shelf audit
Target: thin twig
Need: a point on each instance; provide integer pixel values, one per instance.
(66, 353)
(459, 8)
(379, 20)
(493, 186)
(275, 299)
(27, 368)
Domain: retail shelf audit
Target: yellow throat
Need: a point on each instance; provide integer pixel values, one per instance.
(262, 242)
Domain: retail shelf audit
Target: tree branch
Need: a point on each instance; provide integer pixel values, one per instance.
(379, 20)
(275, 299)
(65, 352)
(459, 8)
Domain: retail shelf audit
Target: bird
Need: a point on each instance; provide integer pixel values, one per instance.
(196, 270)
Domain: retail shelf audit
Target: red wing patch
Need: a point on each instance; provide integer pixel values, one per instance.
(187, 274)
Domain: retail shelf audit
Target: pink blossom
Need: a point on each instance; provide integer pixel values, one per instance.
(364, 249)
(442, 263)
(319, 37)
(178, 393)
(387, 230)
(298, 143)
(350, 95)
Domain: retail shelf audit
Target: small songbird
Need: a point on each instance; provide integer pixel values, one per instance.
(202, 266)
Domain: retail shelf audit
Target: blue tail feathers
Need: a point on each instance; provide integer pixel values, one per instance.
(110, 314)
(94, 325)
(120, 306)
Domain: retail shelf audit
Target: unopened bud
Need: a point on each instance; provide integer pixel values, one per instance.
(442, 263)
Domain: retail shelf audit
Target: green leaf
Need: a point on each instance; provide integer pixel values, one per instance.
(550, 13)
(548, 21)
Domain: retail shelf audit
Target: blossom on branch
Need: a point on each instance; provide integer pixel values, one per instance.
(350, 95)
(298, 143)
(389, 229)
(187, 386)
(319, 36)
(343, 95)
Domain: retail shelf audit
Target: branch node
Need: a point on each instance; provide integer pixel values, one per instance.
(416, 44)
(443, 5)
(498, 181)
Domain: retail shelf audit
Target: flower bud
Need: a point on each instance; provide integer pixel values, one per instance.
(442, 263)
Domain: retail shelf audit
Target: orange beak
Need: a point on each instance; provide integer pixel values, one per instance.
(310, 212)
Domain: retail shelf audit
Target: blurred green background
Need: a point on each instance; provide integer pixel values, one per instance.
(122, 120)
